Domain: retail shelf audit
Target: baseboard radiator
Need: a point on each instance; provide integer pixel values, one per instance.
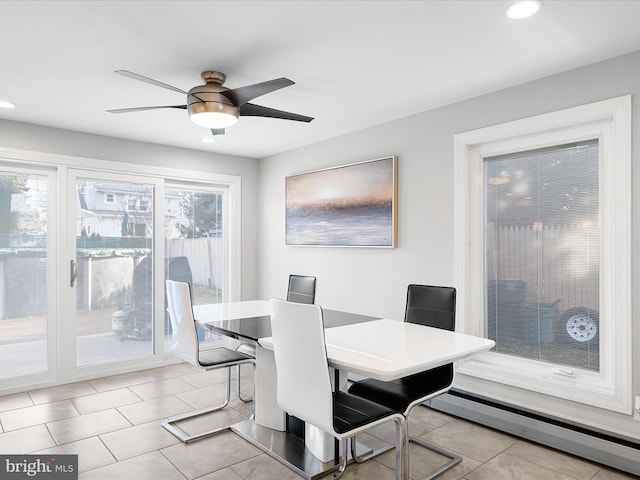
(593, 446)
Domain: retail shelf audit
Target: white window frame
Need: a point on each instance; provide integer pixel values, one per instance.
(610, 122)
(110, 198)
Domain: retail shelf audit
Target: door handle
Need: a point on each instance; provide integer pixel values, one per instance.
(73, 272)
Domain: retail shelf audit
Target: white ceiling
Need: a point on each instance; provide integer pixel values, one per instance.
(355, 63)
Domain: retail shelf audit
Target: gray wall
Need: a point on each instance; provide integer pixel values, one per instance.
(25, 136)
(373, 281)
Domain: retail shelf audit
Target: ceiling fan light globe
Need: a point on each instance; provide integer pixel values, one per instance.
(214, 119)
(210, 109)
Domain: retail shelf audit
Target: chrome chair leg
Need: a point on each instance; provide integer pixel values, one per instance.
(454, 459)
(247, 399)
(402, 453)
(171, 424)
(369, 454)
(253, 406)
(343, 459)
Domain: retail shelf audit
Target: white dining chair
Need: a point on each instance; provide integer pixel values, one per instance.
(304, 383)
(185, 346)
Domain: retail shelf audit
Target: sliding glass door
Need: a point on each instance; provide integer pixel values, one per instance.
(84, 253)
(25, 257)
(112, 270)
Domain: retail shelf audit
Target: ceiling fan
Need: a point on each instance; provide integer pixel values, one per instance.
(215, 106)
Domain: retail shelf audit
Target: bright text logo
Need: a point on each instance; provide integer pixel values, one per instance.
(25, 467)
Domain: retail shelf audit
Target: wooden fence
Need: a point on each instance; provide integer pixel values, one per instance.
(206, 258)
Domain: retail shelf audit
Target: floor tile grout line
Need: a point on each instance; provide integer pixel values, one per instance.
(53, 437)
(113, 455)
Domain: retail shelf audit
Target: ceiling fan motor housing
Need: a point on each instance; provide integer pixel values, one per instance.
(208, 99)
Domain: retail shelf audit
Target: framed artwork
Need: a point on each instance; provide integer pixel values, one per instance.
(351, 205)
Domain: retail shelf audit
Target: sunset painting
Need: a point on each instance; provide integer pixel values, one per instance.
(352, 205)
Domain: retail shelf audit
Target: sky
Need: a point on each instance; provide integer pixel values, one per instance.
(372, 180)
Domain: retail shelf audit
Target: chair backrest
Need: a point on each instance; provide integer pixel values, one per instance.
(302, 289)
(431, 306)
(184, 338)
(303, 382)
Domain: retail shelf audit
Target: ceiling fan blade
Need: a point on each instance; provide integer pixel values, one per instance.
(142, 78)
(217, 131)
(140, 109)
(240, 96)
(252, 110)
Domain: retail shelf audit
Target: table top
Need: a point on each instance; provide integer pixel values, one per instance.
(251, 320)
(389, 349)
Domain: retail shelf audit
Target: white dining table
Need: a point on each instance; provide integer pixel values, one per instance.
(380, 348)
(388, 349)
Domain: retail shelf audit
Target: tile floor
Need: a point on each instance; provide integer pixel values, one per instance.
(113, 424)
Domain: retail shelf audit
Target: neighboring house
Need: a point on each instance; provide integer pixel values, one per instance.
(113, 210)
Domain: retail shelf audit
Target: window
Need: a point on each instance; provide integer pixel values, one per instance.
(543, 251)
(109, 198)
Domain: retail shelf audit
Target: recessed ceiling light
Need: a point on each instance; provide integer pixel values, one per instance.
(208, 140)
(4, 104)
(523, 9)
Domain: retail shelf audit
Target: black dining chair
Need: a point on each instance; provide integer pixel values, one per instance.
(185, 346)
(432, 306)
(304, 388)
(301, 289)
